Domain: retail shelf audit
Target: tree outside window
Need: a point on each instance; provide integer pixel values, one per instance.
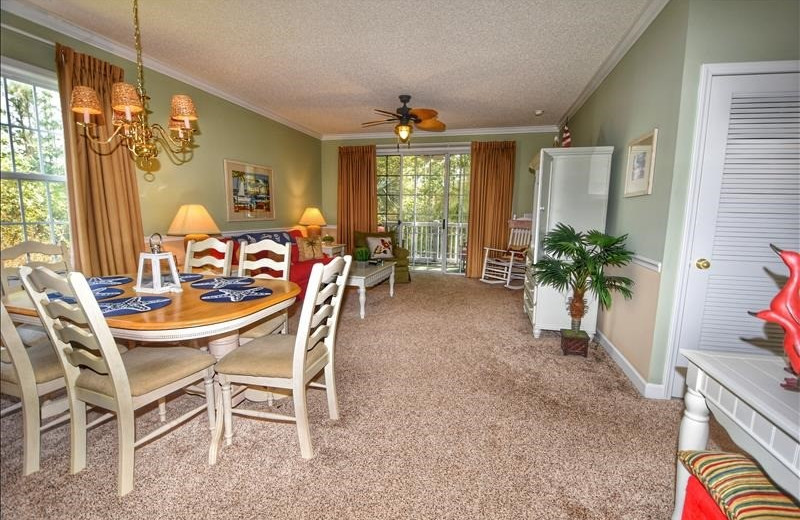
(33, 196)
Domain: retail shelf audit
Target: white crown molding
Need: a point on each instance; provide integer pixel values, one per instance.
(546, 129)
(58, 24)
(638, 28)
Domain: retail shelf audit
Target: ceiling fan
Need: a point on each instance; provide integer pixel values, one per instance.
(404, 116)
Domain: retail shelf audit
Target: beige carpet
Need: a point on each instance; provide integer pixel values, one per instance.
(449, 409)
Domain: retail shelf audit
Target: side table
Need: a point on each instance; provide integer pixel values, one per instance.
(333, 250)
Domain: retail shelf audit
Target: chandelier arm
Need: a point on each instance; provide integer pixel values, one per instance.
(97, 141)
(174, 145)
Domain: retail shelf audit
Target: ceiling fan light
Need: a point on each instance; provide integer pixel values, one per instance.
(403, 132)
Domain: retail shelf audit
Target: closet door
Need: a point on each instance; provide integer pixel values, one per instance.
(749, 198)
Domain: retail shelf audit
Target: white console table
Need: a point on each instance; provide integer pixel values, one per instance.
(743, 393)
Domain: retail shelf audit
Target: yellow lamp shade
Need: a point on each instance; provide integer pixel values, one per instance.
(183, 108)
(84, 100)
(312, 218)
(192, 218)
(125, 98)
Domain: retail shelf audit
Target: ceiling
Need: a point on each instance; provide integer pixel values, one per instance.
(322, 66)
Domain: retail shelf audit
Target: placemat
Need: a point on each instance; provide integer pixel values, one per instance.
(132, 305)
(235, 294)
(100, 292)
(108, 280)
(220, 282)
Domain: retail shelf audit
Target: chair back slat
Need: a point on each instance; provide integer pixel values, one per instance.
(320, 313)
(33, 254)
(81, 346)
(279, 259)
(196, 257)
(520, 232)
(57, 309)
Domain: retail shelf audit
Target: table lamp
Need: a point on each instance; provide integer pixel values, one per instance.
(194, 222)
(312, 218)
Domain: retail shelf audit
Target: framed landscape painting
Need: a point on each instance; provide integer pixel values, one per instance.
(640, 166)
(250, 191)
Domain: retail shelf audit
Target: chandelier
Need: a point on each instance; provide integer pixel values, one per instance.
(130, 106)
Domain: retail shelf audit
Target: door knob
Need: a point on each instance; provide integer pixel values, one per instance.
(703, 264)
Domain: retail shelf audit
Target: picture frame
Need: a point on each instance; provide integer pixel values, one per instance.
(249, 191)
(641, 165)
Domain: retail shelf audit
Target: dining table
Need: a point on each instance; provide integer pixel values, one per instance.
(208, 307)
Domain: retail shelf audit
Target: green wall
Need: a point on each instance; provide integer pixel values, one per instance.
(227, 131)
(655, 86)
(528, 145)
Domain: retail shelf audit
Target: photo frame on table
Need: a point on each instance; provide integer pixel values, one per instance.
(641, 164)
(249, 191)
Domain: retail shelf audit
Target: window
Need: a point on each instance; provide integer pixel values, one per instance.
(33, 194)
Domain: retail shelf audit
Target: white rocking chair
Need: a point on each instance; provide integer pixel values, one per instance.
(506, 265)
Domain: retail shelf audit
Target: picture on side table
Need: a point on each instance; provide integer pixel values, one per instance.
(249, 191)
(640, 166)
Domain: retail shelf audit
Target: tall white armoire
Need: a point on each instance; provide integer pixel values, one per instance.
(572, 188)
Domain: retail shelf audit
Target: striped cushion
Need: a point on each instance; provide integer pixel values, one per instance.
(738, 486)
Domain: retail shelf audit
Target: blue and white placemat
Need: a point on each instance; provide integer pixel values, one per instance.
(101, 292)
(132, 305)
(108, 280)
(187, 277)
(221, 282)
(232, 295)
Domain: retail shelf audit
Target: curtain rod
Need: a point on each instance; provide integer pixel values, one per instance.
(27, 34)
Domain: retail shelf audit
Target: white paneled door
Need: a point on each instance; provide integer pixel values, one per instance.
(747, 197)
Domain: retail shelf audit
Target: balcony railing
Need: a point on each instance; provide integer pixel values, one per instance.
(424, 243)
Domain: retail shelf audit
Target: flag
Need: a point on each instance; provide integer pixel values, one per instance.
(566, 138)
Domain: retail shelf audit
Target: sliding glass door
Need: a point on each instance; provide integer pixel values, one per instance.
(426, 197)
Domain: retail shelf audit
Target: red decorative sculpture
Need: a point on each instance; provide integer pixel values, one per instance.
(785, 311)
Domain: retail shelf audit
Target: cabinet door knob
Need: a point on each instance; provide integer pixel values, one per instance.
(703, 264)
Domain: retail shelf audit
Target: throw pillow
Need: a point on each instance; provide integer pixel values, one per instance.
(309, 248)
(380, 247)
(738, 486)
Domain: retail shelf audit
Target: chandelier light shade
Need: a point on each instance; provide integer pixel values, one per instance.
(312, 218)
(84, 101)
(130, 118)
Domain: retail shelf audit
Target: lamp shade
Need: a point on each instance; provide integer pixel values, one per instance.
(183, 108)
(312, 217)
(192, 219)
(84, 101)
(403, 132)
(125, 98)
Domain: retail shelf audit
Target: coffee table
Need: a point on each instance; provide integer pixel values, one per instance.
(368, 275)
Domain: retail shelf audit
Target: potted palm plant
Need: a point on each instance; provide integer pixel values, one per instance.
(575, 261)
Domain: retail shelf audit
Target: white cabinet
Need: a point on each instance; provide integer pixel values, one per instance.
(571, 188)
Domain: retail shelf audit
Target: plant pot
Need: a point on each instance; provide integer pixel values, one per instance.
(575, 343)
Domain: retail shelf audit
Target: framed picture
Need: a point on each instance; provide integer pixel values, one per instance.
(640, 165)
(250, 191)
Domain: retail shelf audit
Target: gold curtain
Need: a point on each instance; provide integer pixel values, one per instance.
(357, 200)
(105, 213)
(491, 190)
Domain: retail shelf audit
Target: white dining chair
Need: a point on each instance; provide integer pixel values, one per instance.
(199, 258)
(96, 373)
(273, 262)
(289, 361)
(29, 374)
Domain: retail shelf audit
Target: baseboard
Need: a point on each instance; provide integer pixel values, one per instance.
(648, 390)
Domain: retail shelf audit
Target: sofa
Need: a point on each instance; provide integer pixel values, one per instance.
(299, 272)
(400, 255)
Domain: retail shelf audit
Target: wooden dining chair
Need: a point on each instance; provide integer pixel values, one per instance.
(199, 256)
(34, 254)
(289, 361)
(274, 262)
(96, 373)
(28, 374)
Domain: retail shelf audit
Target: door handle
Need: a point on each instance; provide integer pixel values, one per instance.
(702, 263)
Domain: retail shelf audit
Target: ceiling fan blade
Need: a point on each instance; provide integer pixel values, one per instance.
(431, 125)
(423, 113)
(386, 113)
(381, 122)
